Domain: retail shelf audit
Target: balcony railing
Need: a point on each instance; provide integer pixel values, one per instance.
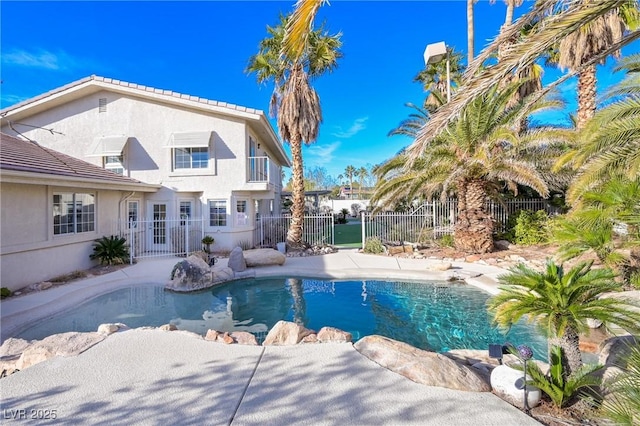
(262, 170)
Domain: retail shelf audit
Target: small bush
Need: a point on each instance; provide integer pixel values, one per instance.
(373, 245)
(4, 292)
(445, 241)
(531, 227)
(111, 250)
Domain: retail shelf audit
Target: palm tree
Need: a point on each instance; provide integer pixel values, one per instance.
(470, 30)
(362, 173)
(588, 41)
(561, 303)
(294, 101)
(610, 142)
(349, 173)
(434, 79)
(478, 155)
(524, 52)
(412, 125)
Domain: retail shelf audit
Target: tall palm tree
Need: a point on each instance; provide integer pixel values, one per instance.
(362, 173)
(434, 79)
(588, 41)
(525, 51)
(294, 101)
(477, 156)
(349, 173)
(411, 126)
(562, 302)
(470, 30)
(609, 144)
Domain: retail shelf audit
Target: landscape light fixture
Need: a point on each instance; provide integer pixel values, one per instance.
(435, 53)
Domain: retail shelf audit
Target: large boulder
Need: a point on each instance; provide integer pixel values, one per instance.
(190, 274)
(428, 368)
(193, 274)
(286, 333)
(263, 257)
(64, 344)
(236, 260)
(508, 383)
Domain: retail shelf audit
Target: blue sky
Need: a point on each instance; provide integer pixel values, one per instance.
(202, 48)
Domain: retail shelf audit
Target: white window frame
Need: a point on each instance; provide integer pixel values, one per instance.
(81, 221)
(108, 163)
(189, 215)
(133, 223)
(242, 217)
(189, 153)
(224, 203)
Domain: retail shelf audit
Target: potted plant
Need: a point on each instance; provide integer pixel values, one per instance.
(207, 241)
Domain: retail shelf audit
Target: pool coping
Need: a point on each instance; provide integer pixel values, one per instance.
(20, 312)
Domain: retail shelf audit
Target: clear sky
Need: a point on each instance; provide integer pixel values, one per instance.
(201, 48)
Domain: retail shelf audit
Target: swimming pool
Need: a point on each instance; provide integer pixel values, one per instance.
(436, 316)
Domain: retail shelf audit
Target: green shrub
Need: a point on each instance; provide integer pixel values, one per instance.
(4, 292)
(446, 240)
(373, 245)
(531, 227)
(111, 250)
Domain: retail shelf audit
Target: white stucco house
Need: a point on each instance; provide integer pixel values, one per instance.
(216, 165)
(53, 207)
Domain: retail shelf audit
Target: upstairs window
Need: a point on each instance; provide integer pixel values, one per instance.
(190, 150)
(190, 158)
(114, 163)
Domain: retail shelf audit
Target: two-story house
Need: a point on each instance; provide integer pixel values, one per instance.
(217, 165)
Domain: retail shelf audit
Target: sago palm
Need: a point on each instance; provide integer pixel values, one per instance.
(561, 302)
(621, 404)
(294, 101)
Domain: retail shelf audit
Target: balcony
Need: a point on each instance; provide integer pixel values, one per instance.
(262, 174)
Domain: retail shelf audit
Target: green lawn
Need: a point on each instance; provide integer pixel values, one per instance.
(348, 235)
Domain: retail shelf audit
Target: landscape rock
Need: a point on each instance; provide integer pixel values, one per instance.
(236, 261)
(502, 244)
(107, 328)
(190, 274)
(34, 355)
(212, 335)
(428, 368)
(12, 348)
(443, 266)
(507, 383)
(614, 350)
(227, 339)
(286, 333)
(244, 338)
(263, 257)
(311, 338)
(335, 335)
(64, 344)
(168, 327)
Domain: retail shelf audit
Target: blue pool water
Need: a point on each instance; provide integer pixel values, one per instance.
(435, 316)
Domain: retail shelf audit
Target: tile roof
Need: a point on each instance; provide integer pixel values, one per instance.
(133, 86)
(20, 155)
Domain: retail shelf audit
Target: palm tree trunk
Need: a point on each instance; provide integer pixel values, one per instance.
(586, 96)
(470, 31)
(474, 228)
(508, 20)
(571, 356)
(294, 235)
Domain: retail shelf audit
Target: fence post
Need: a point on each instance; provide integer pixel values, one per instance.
(333, 229)
(362, 222)
(132, 243)
(186, 236)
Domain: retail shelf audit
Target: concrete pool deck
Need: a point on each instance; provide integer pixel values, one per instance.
(156, 377)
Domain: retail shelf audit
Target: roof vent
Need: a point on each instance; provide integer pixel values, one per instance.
(102, 105)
